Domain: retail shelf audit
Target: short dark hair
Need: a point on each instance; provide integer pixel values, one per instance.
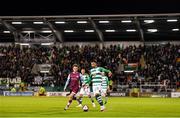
(94, 60)
(75, 65)
(83, 69)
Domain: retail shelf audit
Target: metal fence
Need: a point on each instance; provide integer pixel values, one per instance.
(146, 87)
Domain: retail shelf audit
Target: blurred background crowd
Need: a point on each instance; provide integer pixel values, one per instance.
(155, 63)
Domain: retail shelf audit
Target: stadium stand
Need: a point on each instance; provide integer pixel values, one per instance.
(156, 63)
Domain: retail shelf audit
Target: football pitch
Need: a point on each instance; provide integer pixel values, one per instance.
(116, 107)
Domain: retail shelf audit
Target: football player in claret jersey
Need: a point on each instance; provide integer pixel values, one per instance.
(73, 82)
(85, 89)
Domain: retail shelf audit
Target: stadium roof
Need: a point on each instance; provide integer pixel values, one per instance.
(125, 27)
(87, 7)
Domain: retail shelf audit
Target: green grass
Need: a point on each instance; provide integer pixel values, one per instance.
(116, 107)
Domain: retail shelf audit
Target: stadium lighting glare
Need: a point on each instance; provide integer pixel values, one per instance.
(126, 21)
(81, 22)
(109, 30)
(21, 44)
(24, 44)
(89, 30)
(104, 21)
(7, 32)
(38, 22)
(68, 31)
(149, 21)
(175, 29)
(28, 31)
(172, 20)
(16, 23)
(60, 22)
(43, 71)
(130, 30)
(47, 31)
(152, 30)
(47, 44)
(128, 71)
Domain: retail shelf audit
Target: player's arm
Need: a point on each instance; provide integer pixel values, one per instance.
(106, 71)
(67, 82)
(107, 81)
(89, 79)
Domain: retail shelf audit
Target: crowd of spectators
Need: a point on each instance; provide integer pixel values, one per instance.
(155, 62)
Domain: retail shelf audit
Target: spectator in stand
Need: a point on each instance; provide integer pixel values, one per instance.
(154, 61)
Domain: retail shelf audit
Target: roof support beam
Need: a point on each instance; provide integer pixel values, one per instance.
(54, 30)
(141, 33)
(92, 16)
(99, 33)
(12, 30)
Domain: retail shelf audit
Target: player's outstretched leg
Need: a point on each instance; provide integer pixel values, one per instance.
(80, 100)
(74, 97)
(100, 101)
(90, 97)
(70, 101)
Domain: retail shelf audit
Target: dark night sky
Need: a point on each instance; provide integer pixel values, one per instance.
(87, 7)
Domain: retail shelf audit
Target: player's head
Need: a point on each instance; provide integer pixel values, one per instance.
(75, 67)
(83, 71)
(93, 63)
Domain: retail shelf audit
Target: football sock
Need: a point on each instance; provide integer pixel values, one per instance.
(80, 100)
(69, 103)
(99, 100)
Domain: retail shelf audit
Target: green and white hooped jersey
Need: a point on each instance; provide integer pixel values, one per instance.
(96, 75)
(105, 82)
(85, 79)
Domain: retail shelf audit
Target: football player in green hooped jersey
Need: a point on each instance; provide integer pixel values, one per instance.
(85, 89)
(96, 79)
